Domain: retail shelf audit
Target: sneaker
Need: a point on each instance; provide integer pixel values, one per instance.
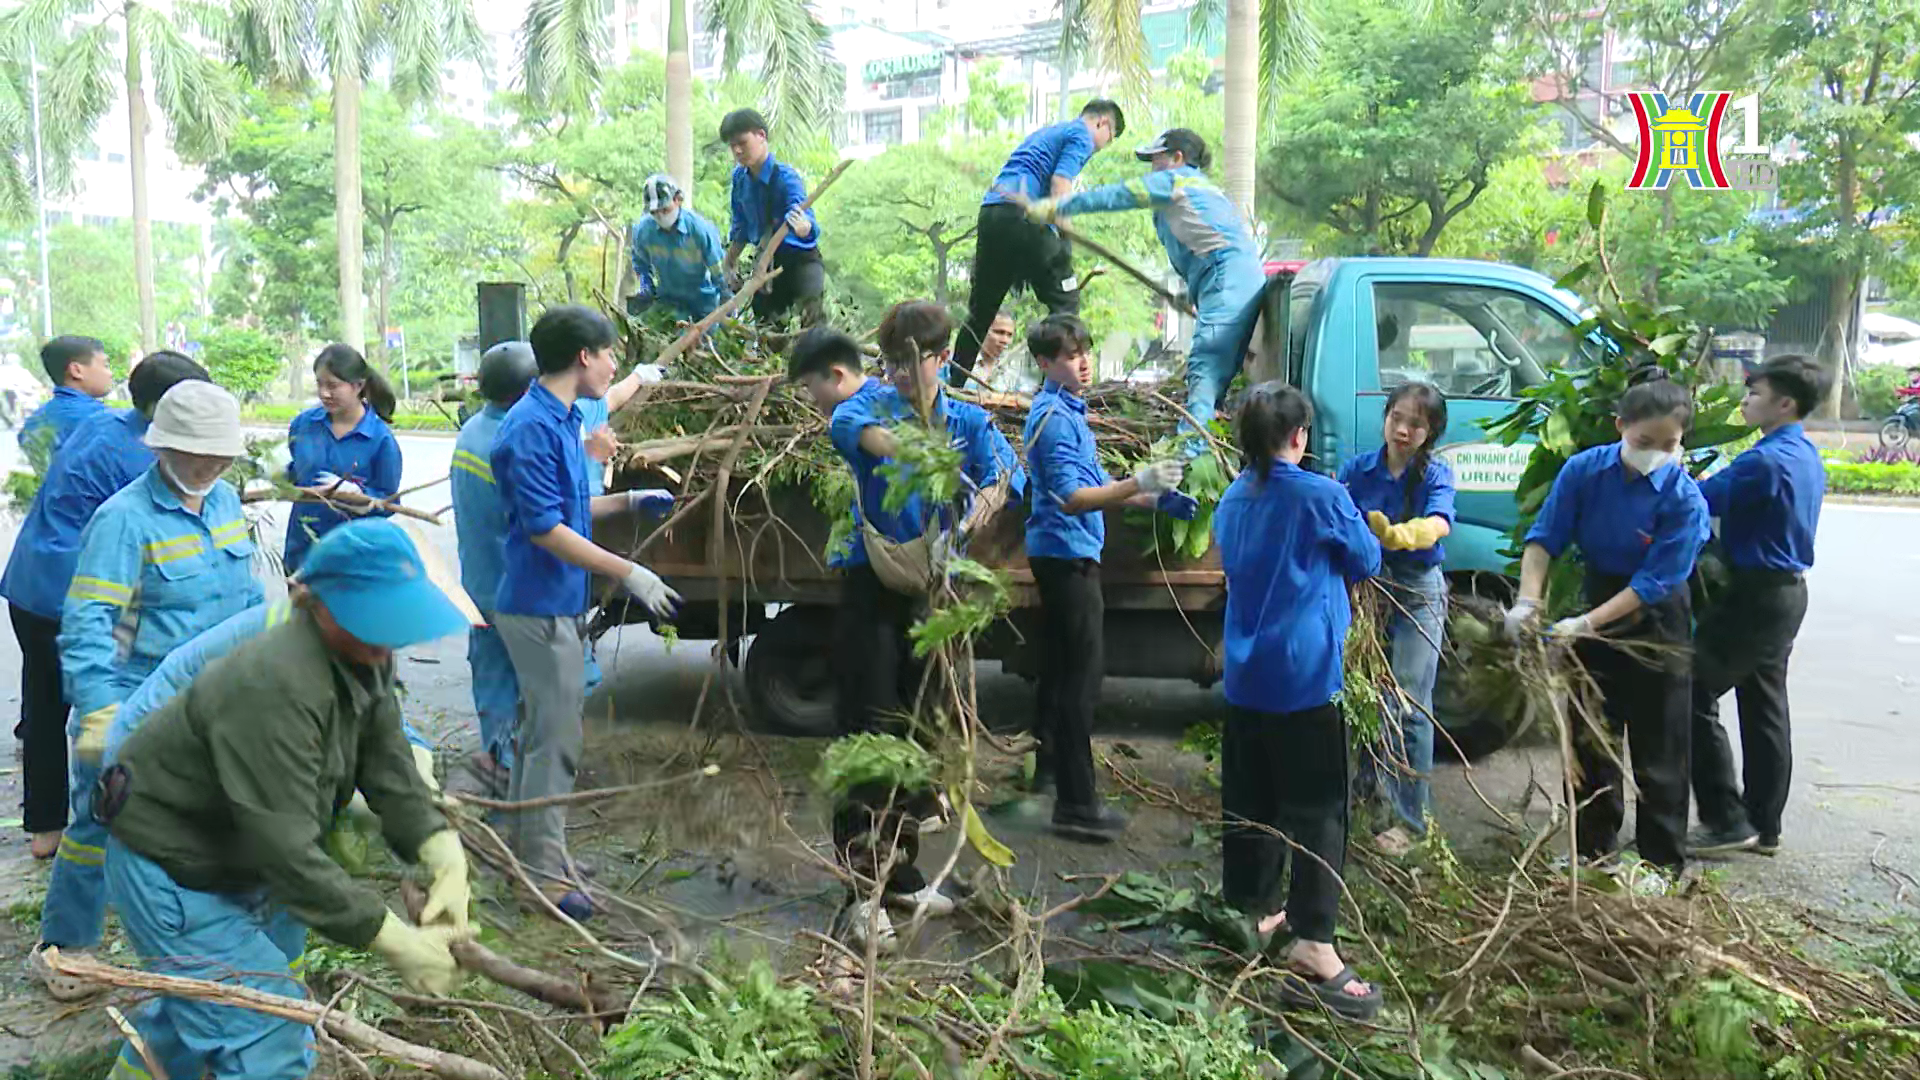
(1705, 841)
(864, 916)
(62, 987)
(1767, 845)
(1100, 824)
(938, 904)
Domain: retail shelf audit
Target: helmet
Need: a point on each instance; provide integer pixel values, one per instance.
(658, 191)
(505, 372)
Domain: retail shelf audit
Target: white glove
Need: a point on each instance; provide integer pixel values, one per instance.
(1571, 627)
(653, 594)
(256, 489)
(798, 225)
(278, 459)
(330, 484)
(1519, 616)
(1160, 477)
(650, 373)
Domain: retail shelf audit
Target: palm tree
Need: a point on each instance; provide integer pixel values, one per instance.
(280, 41)
(679, 98)
(563, 49)
(804, 84)
(198, 96)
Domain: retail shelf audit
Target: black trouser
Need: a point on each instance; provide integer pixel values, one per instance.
(877, 826)
(1009, 250)
(1286, 771)
(874, 668)
(802, 281)
(1072, 663)
(1647, 697)
(1742, 644)
(43, 722)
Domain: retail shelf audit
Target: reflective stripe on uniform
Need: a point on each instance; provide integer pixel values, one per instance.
(471, 462)
(233, 532)
(278, 613)
(180, 547)
(124, 1069)
(107, 592)
(81, 854)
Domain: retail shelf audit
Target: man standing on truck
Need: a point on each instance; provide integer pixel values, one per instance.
(1066, 530)
(677, 255)
(766, 195)
(1008, 249)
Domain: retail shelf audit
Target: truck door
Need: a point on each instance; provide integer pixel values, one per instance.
(1481, 343)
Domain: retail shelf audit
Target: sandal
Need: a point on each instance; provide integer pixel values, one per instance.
(1301, 991)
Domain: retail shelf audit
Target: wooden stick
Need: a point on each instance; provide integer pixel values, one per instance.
(765, 254)
(1126, 267)
(345, 1028)
(139, 1043)
(348, 503)
(658, 450)
(578, 994)
(686, 340)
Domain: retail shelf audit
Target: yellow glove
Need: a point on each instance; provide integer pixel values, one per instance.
(423, 761)
(1378, 522)
(91, 744)
(420, 957)
(1416, 535)
(449, 894)
(1042, 212)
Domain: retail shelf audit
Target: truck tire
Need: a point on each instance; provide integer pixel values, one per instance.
(1471, 734)
(790, 673)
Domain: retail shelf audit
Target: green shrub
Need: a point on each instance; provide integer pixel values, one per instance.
(241, 359)
(1873, 389)
(1873, 478)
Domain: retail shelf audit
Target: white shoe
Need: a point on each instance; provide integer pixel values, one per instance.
(865, 915)
(62, 987)
(940, 818)
(938, 904)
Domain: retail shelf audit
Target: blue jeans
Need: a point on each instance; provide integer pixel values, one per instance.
(1419, 609)
(76, 904)
(496, 691)
(1227, 302)
(246, 939)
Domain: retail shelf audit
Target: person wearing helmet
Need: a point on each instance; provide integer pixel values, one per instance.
(677, 255)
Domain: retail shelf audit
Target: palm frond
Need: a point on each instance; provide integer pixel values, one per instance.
(41, 23)
(77, 86)
(563, 47)
(804, 84)
(16, 129)
(198, 96)
(1206, 22)
(1290, 41)
(346, 31)
(411, 32)
(1115, 39)
(274, 40)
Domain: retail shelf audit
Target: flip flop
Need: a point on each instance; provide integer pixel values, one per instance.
(1301, 991)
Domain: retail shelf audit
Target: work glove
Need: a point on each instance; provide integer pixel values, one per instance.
(1178, 505)
(1043, 212)
(649, 373)
(798, 225)
(91, 744)
(655, 501)
(423, 764)
(449, 894)
(1571, 627)
(1160, 477)
(1520, 616)
(421, 957)
(653, 594)
(331, 484)
(277, 460)
(1416, 535)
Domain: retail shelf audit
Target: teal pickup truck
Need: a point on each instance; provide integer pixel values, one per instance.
(1345, 330)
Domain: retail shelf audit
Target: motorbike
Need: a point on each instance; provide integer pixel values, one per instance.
(1904, 424)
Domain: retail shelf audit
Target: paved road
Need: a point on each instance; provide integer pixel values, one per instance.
(1856, 704)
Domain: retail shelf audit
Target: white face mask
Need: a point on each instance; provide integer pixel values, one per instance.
(197, 492)
(1646, 462)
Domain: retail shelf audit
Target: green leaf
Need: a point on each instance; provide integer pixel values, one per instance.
(1574, 276)
(1597, 203)
(1668, 344)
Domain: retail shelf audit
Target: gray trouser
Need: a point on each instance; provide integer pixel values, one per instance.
(547, 654)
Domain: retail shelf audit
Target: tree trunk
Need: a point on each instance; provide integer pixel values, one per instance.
(679, 99)
(383, 286)
(567, 236)
(142, 216)
(1242, 100)
(939, 269)
(347, 209)
(1836, 338)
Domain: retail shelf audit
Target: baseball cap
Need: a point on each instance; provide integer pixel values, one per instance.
(384, 584)
(658, 192)
(197, 417)
(1176, 141)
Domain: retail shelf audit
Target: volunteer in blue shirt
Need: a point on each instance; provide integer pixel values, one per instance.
(831, 368)
(1008, 249)
(550, 558)
(890, 562)
(1639, 522)
(1207, 241)
(77, 367)
(1070, 493)
(1407, 497)
(678, 259)
(766, 195)
(342, 446)
(1768, 503)
(104, 454)
(1291, 543)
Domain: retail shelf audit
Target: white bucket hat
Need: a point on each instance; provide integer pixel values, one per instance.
(197, 417)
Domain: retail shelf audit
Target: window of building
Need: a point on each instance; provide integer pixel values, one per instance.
(114, 158)
(883, 127)
(1470, 341)
(98, 221)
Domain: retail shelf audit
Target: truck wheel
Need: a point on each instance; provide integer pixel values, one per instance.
(1475, 733)
(790, 673)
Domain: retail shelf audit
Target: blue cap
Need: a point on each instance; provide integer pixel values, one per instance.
(384, 584)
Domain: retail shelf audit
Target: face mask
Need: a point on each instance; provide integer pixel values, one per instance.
(197, 492)
(667, 221)
(1646, 462)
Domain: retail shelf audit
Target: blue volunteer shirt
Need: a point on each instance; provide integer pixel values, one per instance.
(105, 453)
(541, 469)
(593, 417)
(681, 266)
(762, 199)
(1374, 487)
(1061, 459)
(368, 455)
(479, 521)
(1768, 502)
(1647, 529)
(986, 456)
(50, 425)
(858, 404)
(1055, 150)
(1206, 238)
(1290, 545)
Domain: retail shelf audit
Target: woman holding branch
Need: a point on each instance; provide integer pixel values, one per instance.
(341, 446)
(1639, 521)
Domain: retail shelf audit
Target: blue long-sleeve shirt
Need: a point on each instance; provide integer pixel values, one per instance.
(541, 469)
(1647, 529)
(1198, 225)
(479, 520)
(1061, 149)
(1062, 459)
(50, 425)
(986, 457)
(681, 266)
(1768, 502)
(152, 575)
(1374, 487)
(105, 453)
(762, 199)
(1290, 544)
(368, 455)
